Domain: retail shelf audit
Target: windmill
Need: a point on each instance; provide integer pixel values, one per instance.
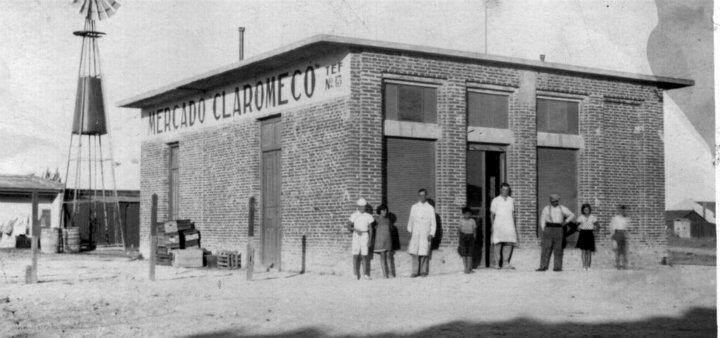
(90, 187)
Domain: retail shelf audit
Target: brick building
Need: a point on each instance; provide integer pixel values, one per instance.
(310, 127)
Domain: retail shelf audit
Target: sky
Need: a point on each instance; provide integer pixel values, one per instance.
(152, 43)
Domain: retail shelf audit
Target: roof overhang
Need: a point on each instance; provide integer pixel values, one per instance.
(319, 44)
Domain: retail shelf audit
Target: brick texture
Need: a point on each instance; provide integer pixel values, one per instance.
(332, 153)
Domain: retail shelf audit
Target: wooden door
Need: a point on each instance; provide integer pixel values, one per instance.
(271, 192)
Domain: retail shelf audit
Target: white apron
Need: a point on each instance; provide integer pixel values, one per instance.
(503, 228)
(421, 223)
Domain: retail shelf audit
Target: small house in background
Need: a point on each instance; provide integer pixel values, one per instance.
(118, 229)
(690, 219)
(16, 205)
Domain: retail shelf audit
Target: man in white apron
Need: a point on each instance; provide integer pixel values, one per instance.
(421, 226)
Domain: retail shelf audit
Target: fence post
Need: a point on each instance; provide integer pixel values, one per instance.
(250, 250)
(153, 236)
(32, 276)
(304, 253)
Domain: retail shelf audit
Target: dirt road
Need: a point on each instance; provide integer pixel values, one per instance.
(91, 296)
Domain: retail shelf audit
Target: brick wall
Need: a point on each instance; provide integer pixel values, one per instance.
(617, 164)
(332, 154)
(220, 171)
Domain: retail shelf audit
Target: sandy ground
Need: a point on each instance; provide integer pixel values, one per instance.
(91, 295)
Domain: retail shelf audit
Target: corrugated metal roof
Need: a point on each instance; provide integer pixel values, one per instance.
(315, 46)
(23, 183)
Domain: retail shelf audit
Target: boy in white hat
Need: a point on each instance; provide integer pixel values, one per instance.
(359, 223)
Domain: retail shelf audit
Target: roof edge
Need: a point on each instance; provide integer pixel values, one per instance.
(664, 82)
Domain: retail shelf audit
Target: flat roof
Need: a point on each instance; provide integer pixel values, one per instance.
(28, 183)
(319, 43)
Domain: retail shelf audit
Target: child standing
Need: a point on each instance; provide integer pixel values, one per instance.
(383, 240)
(586, 236)
(359, 224)
(618, 228)
(466, 235)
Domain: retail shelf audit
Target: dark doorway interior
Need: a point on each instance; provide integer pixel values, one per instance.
(485, 173)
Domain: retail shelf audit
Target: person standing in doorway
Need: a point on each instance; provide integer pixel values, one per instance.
(504, 233)
(383, 240)
(421, 226)
(552, 220)
(359, 224)
(586, 236)
(466, 238)
(619, 225)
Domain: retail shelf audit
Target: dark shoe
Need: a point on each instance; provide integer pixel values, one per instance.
(557, 270)
(541, 269)
(413, 275)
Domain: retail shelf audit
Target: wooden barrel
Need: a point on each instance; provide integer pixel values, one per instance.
(49, 240)
(72, 239)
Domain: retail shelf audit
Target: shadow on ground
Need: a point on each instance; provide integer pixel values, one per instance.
(697, 322)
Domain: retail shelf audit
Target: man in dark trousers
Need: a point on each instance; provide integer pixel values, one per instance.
(552, 220)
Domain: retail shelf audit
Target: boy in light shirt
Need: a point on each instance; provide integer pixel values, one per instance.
(618, 228)
(359, 224)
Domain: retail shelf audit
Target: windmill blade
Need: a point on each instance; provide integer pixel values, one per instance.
(97, 9)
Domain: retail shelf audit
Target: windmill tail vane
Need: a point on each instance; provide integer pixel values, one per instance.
(97, 9)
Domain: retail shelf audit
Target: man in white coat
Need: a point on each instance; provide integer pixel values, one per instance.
(421, 226)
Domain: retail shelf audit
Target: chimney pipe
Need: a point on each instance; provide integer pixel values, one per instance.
(241, 42)
(542, 57)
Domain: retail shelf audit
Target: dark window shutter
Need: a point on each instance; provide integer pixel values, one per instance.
(487, 110)
(391, 101)
(410, 165)
(557, 174)
(429, 105)
(557, 116)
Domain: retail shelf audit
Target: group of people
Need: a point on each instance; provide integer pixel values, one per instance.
(373, 234)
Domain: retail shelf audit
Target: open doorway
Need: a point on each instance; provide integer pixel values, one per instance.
(485, 173)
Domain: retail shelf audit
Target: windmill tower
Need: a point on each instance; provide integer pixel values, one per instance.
(90, 192)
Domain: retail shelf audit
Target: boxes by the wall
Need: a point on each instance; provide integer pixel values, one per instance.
(188, 258)
(211, 261)
(184, 224)
(190, 238)
(170, 227)
(228, 260)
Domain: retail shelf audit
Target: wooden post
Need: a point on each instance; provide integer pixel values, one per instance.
(153, 236)
(35, 244)
(250, 250)
(303, 252)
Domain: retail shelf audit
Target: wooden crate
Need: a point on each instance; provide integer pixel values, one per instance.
(164, 259)
(190, 239)
(228, 260)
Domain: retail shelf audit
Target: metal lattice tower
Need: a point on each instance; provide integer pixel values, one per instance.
(90, 170)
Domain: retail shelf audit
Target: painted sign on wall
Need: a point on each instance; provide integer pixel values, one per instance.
(290, 87)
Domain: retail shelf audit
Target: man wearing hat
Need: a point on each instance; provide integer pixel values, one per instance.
(421, 226)
(359, 224)
(552, 220)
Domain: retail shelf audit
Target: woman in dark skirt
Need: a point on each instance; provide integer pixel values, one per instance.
(586, 236)
(466, 236)
(383, 240)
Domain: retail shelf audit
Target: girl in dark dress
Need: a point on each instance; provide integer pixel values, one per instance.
(383, 240)
(586, 238)
(466, 236)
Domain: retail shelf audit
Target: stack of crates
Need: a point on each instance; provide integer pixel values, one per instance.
(228, 260)
(175, 235)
